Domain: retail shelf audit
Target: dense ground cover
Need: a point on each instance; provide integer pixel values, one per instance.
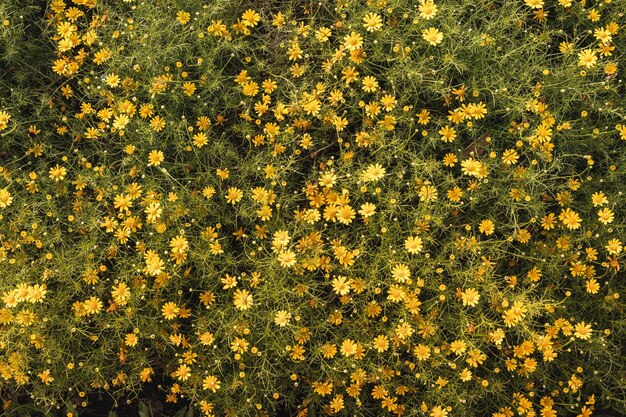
(354, 207)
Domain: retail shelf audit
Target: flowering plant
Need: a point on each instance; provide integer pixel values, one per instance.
(351, 208)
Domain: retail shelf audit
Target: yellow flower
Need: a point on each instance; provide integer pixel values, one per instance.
(523, 235)
(179, 244)
(450, 160)
(421, 352)
(234, 195)
(211, 383)
(592, 286)
(570, 218)
(145, 374)
(5, 198)
(153, 212)
(170, 310)
(423, 117)
(367, 210)
(606, 216)
(206, 338)
(112, 80)
(474, 168)
(401, 273)
(121, 294)
(282, 318)
(547, 222)
(208, 192)
(458, 347)
(57, 173)
(183, 17)
(328, 179)
(582, 330)
(372, 22)
(587, 58)
(510, 157)
(614, 247)
(381, 343)
(487, 227)
(455, 194)
(433, 36)
(157, 123)
(281, 238)
(389, 102)
(239, 345)
(337, 404)
(222, 173)
(340, 122)
(323, 34)
(287, 258)
(120, 121)
(477, 110)
(404, 330)
(155, 158)
(10, 299)
(593, 15)
(341, 285)
(182, 373)
(21, 292)
(92, 305)
(130, 339)
(45, 377)
(345, 215)
(413, 244)
(200, 139)
(36, 293)
(349, 74)
(534, 4)
(122, 202)
(189, 88)
(438, 411)
(396, 293)
(373, 173)
(329, 350)
(154, 264)
(515, 314)
(428, 9)
(353, 41)
(369, 84)
(534, 274)
(4, 119)
(250, 88)
(322, 388)
(379, 392)
(448, 134)
(348, 347)
(610, 68)
(242, 299)
(250, 18)
(465, 375)
(470, 297)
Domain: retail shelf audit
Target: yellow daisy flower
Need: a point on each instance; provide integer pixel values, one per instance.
(433, 36)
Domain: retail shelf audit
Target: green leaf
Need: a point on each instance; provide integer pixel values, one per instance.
(182, 412)
(144, 411)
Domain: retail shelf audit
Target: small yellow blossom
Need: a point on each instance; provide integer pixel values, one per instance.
(433, 36)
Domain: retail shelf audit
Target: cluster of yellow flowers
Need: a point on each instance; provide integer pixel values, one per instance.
(365, 204)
